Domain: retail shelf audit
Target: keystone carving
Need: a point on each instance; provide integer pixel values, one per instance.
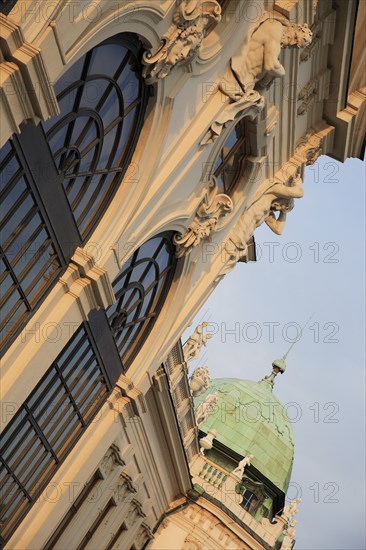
(255, 66)
(278, 197)
(214, 206)
(192, 21)
(195, 342)
(200, 381)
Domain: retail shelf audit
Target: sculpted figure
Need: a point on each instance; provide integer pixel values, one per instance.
(200, 381)
(291, 509)
(206, 407)
(256, 65)
(277, 198)
(194, 343)
(289, 538)
(261, 63)
(239, 471)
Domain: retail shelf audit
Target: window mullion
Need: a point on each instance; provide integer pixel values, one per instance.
(47, 184)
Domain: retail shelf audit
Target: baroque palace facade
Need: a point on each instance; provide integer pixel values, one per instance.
(142, 143)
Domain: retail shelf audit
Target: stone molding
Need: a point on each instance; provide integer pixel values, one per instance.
(26, 90)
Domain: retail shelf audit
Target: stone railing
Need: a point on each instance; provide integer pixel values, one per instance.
(216, 484)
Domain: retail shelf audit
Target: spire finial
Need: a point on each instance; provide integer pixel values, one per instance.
(279, 365)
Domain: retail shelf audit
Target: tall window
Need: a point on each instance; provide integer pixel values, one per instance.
(141, 288)
(30, 258)
(231, 159)
(54, 416)
(57, 178)
(102, 98)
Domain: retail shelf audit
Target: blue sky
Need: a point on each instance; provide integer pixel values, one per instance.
(316, 267)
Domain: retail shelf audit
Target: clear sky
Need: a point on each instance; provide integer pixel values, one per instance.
(316, 267)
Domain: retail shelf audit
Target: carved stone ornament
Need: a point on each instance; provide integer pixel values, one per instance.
(309, 149)
(190, 543)
(289, 538)
(200, 381)
(255, 66)
(269, 198)
(110, 460)
(192, 20)
(194, 343)
(206, 407)
(214, 206)
(291, 509)
(307, 96)
(239, 471)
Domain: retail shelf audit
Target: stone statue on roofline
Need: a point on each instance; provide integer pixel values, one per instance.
(194, 343)
(239, 471)
(200, 381)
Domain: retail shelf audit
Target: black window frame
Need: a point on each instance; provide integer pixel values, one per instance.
(116, 313)
(46, 184)
(104, 352)
(238, 150)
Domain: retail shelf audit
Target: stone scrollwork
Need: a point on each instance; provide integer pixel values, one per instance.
(255, 66)
(192, 21)
(214, 206)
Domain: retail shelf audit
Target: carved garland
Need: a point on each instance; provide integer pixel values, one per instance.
(214, 206)
(192, 21)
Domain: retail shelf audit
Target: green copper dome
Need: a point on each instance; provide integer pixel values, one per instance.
(249, 419)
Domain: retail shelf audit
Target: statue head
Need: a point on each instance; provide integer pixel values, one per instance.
(282, 205)
(296, 35)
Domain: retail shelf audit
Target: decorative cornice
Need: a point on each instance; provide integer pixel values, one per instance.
(192, 21)
(214, 206)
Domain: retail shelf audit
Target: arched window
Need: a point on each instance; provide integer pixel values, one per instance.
(231, 159)
(57, 178)
(141, 288)
(102, 99)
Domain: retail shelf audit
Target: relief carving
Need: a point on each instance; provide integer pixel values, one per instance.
(214, 206)
(255, 67)
(192, 21)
